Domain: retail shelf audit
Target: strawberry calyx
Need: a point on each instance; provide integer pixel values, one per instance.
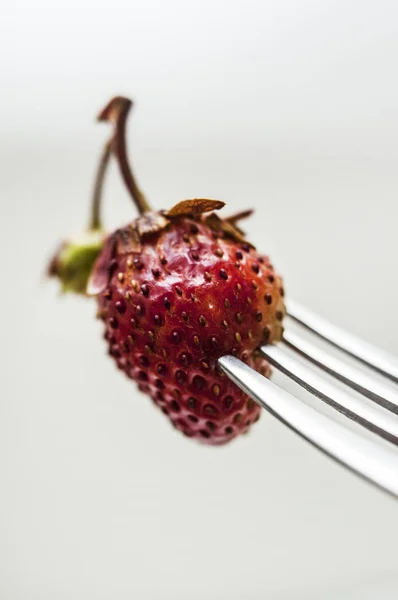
(74, 260)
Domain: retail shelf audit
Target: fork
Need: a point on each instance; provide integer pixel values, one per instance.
(365, 455)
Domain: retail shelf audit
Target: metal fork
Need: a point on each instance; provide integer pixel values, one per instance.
(365, 455)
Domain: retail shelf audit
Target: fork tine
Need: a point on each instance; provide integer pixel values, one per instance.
(371, 416)
(365, 457)
(377, 359)
(350, 375)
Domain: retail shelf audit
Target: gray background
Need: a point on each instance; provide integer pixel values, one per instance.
(287, 106)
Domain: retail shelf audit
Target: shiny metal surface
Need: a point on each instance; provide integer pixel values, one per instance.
(303, 361)
(373, 417)
(375, 358)
(366, 457)
(356, 378)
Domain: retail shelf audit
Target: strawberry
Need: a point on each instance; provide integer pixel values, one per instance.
(178, 289)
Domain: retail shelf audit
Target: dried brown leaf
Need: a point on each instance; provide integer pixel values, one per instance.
(128, 240)
(195, 206)
(233, 232)
(243, 214)
(151, 223)
(214, 222)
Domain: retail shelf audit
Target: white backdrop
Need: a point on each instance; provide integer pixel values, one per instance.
(290, 107)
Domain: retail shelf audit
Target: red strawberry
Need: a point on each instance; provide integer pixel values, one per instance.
(177, 290)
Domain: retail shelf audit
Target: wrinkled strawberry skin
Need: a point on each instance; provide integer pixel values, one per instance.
(188, 297)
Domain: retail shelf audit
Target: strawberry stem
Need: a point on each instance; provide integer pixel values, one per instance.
(116, 113)
(95, 218)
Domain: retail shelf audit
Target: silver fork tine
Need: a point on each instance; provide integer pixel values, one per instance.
(377, 359)
(371, 416)
(352, 376)
(366, 457)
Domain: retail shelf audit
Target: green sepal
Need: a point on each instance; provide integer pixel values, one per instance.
(73, 262)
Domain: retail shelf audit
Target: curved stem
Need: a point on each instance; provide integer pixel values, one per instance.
(95, 218)
(116, 113)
